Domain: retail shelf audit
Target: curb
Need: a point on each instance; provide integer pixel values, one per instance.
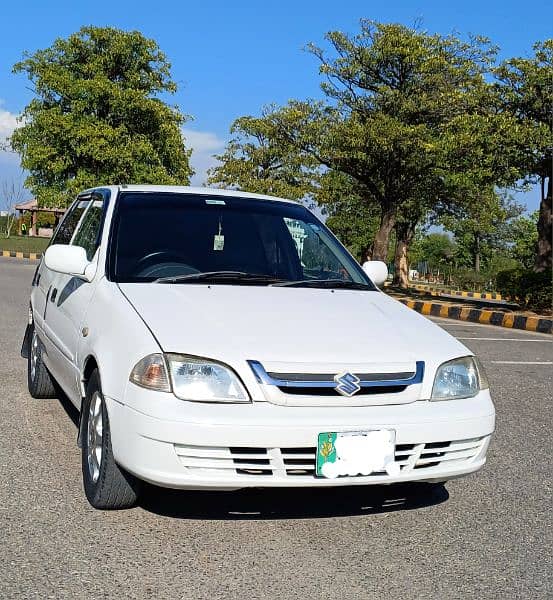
(440, 291)
(487, 317)
(28, 255)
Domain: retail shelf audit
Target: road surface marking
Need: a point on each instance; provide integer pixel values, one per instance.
(518, 362)
(487, 339)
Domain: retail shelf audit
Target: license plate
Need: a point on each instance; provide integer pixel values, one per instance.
(355, 453)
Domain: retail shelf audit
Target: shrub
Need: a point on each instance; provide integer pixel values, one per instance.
(46, 220)
(465, 279)
(530, 289)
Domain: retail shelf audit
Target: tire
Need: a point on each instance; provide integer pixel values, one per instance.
(39, 381)
(107, 486)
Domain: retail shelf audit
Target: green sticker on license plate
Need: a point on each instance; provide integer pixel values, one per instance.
(326, 451)
(352, 453)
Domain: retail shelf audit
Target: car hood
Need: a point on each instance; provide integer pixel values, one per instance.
(280, 326)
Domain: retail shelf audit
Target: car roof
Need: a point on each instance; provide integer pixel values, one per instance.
(182, 189)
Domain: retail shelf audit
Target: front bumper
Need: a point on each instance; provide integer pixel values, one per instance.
(203, 446)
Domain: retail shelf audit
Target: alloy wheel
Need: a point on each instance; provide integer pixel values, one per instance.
(34, 355)
(94, 436)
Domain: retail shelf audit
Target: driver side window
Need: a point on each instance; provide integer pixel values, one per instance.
(89, 231)
(69, 223)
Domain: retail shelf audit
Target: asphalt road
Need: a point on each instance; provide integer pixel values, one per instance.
(485, 536)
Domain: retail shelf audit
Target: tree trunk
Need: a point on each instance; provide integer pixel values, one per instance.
(404, 237)
(477, 251)
(545, 226)
(382, 237)
(366, 253)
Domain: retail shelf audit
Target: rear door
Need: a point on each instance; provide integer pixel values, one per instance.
(70, 296)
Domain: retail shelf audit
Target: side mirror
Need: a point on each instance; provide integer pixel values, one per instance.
(376, 270)
(70, 260)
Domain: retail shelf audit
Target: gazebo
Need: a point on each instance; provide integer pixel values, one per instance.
(31, 206)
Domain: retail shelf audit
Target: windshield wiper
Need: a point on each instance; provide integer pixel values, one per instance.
(324, 283)
(237, 276)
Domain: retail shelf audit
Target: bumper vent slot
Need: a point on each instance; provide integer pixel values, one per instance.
(251, 461)
(240, 462)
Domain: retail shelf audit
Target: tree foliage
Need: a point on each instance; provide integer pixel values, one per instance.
(97, 117)
(350, 217)
(436, 250)
(257, 160)
(483, 227)
(400, 97)
(412, 129)
(524, 235)
(526, 90)
(408, 125)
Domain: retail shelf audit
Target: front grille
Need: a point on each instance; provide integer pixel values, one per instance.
(298, 462)
(400, 384)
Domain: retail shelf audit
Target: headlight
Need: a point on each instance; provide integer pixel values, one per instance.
(459, 378)
(202, 380)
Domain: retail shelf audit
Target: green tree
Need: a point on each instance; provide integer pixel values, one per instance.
(410, 117)
(258, 160)
(524, 234)
(394, 90)
(97, 118)
(353, 220)
(435, 249)
(482, 227)
(391, 94)
(526, 90)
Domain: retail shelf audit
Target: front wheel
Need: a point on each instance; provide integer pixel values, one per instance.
(107, 486)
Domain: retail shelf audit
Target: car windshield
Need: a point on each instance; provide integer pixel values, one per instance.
(187, 238)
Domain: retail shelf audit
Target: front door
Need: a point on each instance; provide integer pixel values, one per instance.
(69, 299)
(44, 277)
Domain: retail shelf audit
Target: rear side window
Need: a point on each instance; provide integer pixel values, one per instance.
(88, 233)
(70, 221)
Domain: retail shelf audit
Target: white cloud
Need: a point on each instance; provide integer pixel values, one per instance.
(8, 122)
(10, 168)
(203, 144)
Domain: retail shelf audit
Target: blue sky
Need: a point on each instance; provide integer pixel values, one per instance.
(232, 57)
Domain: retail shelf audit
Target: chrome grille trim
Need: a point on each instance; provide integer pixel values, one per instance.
(367, 380)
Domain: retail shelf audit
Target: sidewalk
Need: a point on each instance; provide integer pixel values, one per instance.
(28, 255)
(438, 291)
(501, 318)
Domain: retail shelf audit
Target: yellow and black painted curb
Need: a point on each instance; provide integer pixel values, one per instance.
(28, 255)
(476, 315)
(438, 291)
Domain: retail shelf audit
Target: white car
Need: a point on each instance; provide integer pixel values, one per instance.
(221, 340)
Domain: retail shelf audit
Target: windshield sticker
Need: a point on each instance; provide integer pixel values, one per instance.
(218, 242)
(213, 201)
(219, 239)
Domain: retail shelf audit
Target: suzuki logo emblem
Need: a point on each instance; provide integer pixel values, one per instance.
(347, 384)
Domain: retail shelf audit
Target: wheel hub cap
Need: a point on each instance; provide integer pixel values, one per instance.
(94, 437)
(34, 354)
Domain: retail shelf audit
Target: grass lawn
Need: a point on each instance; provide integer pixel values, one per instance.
(17, 243)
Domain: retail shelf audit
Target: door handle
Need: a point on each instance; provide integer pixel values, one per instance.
(53, 295)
